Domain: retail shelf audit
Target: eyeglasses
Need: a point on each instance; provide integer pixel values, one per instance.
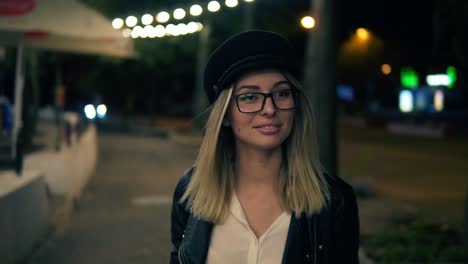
(254, 102)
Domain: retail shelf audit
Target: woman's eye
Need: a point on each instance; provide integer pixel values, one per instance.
(247, 97)
(284, 93)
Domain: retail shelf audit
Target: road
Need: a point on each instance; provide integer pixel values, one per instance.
(123, 215)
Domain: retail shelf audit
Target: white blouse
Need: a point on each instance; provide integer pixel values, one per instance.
(235, 242)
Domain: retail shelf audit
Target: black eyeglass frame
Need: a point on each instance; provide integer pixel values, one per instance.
(294, 93)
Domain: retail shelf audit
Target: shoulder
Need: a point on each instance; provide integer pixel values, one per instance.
(341, 192)
(182, 184)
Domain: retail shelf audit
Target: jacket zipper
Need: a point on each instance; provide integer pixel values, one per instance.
(315, 240)
(179, 255)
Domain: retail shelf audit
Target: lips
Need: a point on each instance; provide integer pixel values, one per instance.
(270, 129)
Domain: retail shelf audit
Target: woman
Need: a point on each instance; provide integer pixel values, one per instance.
(257, 193)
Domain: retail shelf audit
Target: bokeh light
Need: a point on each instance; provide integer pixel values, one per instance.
(362, 34)
(163, 17)
(308, 22)
(147, 19)
(214, 6)
(179, 13)
(386, 69)
(117, 23)
(196, 10)
(131, 21)
(231, 3)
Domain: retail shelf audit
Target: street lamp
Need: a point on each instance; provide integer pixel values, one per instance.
(147, 19)
(386, 69)
(363, 34)
(179, 13)
(162, 17)
(308, 22)
(214, 6)
(196, 10)
(117, 23)
(131, 21)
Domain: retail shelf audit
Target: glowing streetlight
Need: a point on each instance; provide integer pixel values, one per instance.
(214, 6)
(308, 22)
(131, 21)
(147, 19)
(160, 31)
(386, 69)
(192, 27)
(90, 111)
(162, 17)
(101, 110)
(363, 34)
(117, 23)
(249, 1)
(149, 31)
(196, 10)
(137, 32)
(231, 3)
(179, 13)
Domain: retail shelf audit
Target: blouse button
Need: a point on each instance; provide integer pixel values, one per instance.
(307, 256)
(320, 247)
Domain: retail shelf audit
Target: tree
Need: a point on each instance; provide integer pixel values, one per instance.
(319, 80)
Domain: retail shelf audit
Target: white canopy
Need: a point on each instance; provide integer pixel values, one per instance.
(63, 25)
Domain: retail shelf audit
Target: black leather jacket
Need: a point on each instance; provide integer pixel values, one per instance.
(332, 236)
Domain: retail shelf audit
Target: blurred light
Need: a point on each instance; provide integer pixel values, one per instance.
(452, 73)
(101, 110)
(149, 31)
(182, 29)
(136, 32)
(308, 22)
(127, 33)
(192, 27)
(117, 23)
(438, 100)
(200, 26)
(362, 34)
(163, 17)
(406, 101)
(143, 32)
(170, 30)
(438, 80)
(131, 21)
(90, 112)
(179, 13)
(214, 6)
(196, 10)
(248, 1)
(231, 3)
(386, 69)
(147, 19)
(409, 78)
(160, 31)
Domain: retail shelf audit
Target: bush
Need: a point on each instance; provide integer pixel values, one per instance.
(415, 240)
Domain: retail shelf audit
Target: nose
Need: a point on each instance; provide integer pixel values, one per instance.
(269, 108)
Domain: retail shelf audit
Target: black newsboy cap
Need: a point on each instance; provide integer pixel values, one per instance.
(245, 52)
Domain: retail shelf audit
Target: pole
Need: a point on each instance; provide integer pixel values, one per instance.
(319, 80)
(18, 123)
(200, 102)
(249, 9)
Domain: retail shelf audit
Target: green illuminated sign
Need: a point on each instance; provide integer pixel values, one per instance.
(409, 78)
(452, 74)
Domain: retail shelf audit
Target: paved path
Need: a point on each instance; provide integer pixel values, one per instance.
(123, 215)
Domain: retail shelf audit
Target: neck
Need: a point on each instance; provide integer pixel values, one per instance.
(256, 168)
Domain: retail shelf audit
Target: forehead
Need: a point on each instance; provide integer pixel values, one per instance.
(260, 77)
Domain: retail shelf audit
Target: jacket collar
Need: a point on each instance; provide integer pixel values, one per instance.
(194, 248)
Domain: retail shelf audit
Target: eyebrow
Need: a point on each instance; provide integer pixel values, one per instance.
(256, 87)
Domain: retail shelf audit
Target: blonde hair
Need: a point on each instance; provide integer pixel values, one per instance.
(302, 185)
